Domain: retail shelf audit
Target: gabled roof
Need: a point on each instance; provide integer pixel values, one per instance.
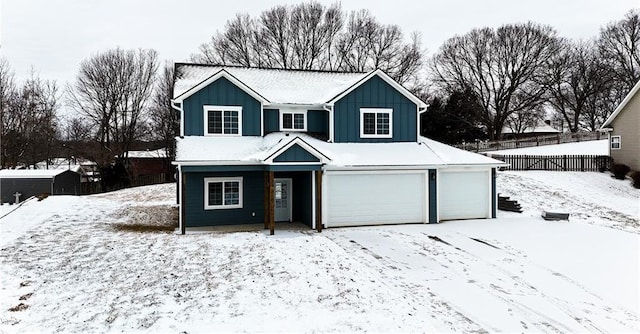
(622, 104)
(247, 150)
(278, 86)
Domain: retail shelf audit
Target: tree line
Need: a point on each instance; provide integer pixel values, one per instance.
(477, 84)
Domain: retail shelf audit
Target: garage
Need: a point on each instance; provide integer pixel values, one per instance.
(464, 194)
(374, 198)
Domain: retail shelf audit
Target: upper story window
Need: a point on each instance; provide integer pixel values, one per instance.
(616, 142)
(222, 193)
(222, 120)
(293, 120)
(376, 123)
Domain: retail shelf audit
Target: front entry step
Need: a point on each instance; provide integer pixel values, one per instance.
(506, 204)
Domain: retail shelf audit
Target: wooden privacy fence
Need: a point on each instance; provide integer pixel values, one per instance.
(570, 163)
(143, 180)
(531, 141)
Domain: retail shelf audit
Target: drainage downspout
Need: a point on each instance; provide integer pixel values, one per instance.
(178, 106)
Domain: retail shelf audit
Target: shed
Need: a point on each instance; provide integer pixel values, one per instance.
(33, 182)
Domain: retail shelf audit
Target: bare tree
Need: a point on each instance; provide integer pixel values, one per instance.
(112, 91)
(503, 67)
(619, 45)
(164, 122)
(312, 36)
(29, 122)
(576, 79)
(7, 91)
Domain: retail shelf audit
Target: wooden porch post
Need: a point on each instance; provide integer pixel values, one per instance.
(183, 202)
(272, 205)
(319, 200)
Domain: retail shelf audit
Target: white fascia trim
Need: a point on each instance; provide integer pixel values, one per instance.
(180, 222)
(622, 104)
(377, 170)
(221, 73)
(174, 105)
(376, 111)
(313, 200)
(206, 108)
(329, 108)
(216, 163)
(297, 140)
(261, 119)
(388, 80)
(292, 111)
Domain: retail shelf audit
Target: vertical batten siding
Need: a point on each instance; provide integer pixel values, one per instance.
(375, 93)
(626, 126)
(296, 153)
(494, 194)
(318, 122)
(271, 120)
(252, 211)
(221, 92)
(433, 200)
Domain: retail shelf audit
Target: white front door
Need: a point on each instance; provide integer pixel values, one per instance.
(282, 194)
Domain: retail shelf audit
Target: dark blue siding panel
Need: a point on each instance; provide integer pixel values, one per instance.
(271, 120)
(494, 195)
(375, 93)
(221, 92)
(296, 153)
(252, 211)
(433, 200)
(318, 122)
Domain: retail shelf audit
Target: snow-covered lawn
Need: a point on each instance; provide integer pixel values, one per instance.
(72, 270)
(592, 147)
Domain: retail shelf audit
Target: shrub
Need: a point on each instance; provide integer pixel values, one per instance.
(620, 171)
(635, 176)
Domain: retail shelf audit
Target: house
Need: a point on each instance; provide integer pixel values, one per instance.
(623, 128)
(326, 149)
(149, 162)
(33, 182)
(544, 129)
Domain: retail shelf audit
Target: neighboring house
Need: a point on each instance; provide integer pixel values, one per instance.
(623, 127)
(326, 149)
(152, 162)
(544, 129)
(33, 182)
(88, 170)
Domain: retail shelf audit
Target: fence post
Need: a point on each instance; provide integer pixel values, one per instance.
(582, 163)
(564, 163)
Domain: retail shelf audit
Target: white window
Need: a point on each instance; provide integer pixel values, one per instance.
(222, 120)
(616, 142)
(222, 193)
(376, 123)
(293, 120)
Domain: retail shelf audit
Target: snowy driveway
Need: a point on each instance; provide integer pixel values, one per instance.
(504, 283)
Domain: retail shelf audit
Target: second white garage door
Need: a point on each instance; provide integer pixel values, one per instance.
(464, 195)
(369, 199)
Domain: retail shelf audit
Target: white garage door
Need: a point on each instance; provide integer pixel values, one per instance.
(370, 199)
(464, 195)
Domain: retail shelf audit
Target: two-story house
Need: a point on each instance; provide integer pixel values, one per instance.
(323, 148)
(623, 128)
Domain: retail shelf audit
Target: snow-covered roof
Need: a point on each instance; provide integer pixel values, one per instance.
(256, 150)
(159, 153)
(621, 106)
(30, 173)
(275, 85)
(544, 128)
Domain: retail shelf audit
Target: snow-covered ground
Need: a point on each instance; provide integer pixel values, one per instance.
(592, 147)
(66, 267)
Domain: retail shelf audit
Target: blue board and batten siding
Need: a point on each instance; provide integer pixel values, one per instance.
(252, 211)
(375, 93)
(296, 153)
(221, 92)
(317, 121)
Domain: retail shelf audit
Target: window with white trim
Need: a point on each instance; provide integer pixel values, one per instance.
(293, 120)
(376, 123)
(222, 120)
(616, 142)
(222, 193)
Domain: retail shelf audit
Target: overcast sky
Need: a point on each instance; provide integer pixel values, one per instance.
(54, 36)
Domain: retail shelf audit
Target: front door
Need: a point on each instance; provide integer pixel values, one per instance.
(282, 195)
